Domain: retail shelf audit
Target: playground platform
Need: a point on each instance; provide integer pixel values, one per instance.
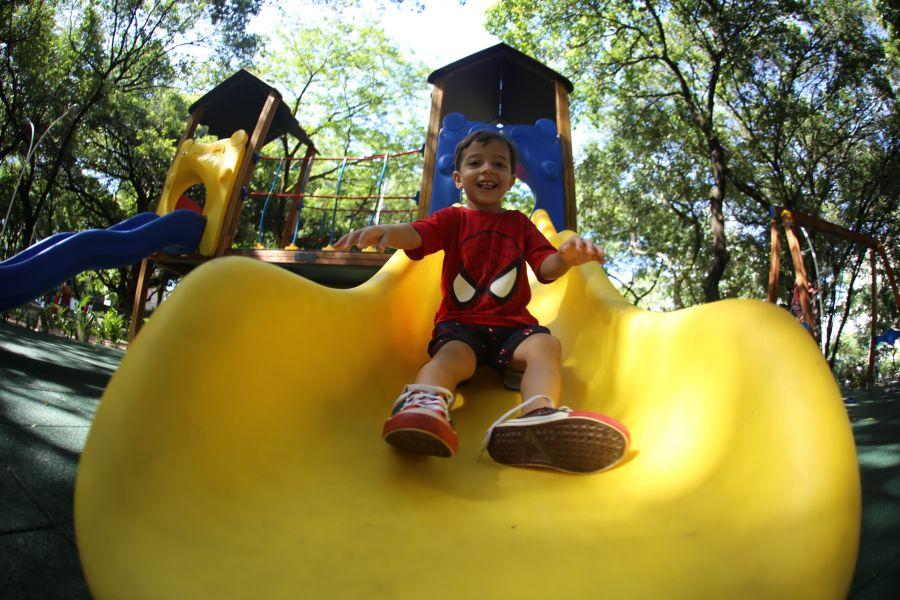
(50, 388)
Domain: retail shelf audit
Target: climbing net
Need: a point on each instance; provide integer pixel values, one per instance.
(313, 200)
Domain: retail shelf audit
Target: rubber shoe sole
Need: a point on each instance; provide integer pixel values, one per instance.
(579, 443)
(420, 433)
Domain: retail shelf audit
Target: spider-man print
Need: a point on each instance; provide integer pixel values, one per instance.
(483, 278)
(490, 263)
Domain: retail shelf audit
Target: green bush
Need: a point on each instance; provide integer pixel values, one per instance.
(85, 320)
(112, 326)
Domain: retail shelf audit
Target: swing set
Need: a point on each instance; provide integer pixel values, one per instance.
(788, 220)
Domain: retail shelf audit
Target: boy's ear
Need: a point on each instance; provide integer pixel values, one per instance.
(457, 180)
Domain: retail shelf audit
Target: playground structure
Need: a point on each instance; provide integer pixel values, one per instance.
(499, 86)
(240, 104)
(258, 470)
(788, 220)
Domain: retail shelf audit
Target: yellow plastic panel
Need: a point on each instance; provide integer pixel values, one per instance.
(215, 166)
(237, 453)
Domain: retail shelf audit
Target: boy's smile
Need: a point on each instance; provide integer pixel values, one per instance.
(485, 175)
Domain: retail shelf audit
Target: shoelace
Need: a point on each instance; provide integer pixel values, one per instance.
(423, 399)
(507, 415)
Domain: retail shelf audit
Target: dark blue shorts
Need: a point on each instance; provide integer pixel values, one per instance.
(493, 346)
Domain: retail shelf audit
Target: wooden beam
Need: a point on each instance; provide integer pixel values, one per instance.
(812, 222)
(564, 128)
(140, 299)
(774, 261)
(800, 280)
(870, 372)
(192, 123)
(431, 141)
(245, 169)
(287, 235)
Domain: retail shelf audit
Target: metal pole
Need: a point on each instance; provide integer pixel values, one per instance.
(18, 181)
(32, 148)
(818, 280)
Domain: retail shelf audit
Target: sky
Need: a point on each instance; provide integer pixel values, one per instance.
(442, 33)
(438, 35)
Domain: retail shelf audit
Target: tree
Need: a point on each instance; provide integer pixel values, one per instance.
(356, 94)
(667, 56)
(653, 72)
(71, 59)
(757, 103)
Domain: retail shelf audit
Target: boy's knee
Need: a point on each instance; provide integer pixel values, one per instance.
(457, 352)
(541, 346)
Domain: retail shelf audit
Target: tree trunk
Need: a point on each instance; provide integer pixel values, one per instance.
(717, 221)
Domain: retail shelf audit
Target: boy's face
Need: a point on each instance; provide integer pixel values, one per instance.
(485, 175)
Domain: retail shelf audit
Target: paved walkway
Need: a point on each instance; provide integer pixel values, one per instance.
(50, 388)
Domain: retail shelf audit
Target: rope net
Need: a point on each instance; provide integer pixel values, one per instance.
(296, 202)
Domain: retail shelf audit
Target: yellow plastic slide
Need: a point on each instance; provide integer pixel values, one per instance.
(237, 453)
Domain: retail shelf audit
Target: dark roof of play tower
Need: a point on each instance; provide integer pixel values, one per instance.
(237, 102)
(503, 56)
(499, 85)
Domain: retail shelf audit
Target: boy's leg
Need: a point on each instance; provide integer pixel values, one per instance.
(544, 436)
(453, 363)
(539, 357)
(420, 421)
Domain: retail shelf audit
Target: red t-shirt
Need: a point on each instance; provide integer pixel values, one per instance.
(484, 280)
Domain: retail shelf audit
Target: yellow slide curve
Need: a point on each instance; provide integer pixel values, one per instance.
(237, 453)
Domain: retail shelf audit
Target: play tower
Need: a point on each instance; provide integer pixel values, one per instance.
(503, 89)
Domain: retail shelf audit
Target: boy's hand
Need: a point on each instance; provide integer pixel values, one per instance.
(363, 238)
(577, 251)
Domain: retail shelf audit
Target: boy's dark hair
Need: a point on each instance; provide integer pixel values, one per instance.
(484, 136)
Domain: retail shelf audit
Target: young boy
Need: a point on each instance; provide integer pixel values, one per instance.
(483, 319)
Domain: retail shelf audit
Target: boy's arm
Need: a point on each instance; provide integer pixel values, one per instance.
(402, 236)
(571, 253)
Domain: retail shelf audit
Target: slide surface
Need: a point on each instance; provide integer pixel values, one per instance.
(237, 453)
(48, 263)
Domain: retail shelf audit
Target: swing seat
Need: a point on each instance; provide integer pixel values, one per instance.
(258, 470)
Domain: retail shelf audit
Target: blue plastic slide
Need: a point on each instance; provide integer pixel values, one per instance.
(48, 263)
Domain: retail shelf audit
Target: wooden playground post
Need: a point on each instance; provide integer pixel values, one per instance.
(431, 143)
(245, 168)
(870, 373)
(564, 129)
(140, 298)
(774, 261)
(800, 279)
(287, 235)
(144, 269)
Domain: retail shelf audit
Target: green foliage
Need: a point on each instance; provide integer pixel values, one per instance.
(357, 95)
(758, 102)
(111, 325)
(85, 320)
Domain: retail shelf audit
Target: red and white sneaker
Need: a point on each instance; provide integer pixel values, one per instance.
(420, 421)
(558, 438)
